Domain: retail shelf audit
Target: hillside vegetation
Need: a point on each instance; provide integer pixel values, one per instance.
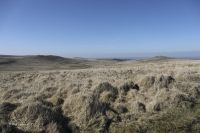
(41, 62)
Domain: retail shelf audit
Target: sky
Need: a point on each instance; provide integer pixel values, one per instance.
(99, 28)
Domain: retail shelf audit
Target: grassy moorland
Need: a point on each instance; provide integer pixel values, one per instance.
(149, 96)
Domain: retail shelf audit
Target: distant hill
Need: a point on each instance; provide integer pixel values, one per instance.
(49, 62)
(40, 62)
(157, 58)
(161, 58)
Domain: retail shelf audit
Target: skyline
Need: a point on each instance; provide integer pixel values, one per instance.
(94, 28)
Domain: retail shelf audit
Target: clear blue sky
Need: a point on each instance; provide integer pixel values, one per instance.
(98, 27)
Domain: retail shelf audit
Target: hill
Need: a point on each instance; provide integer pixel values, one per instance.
(50, 62)
(40, 62)
(157, 58)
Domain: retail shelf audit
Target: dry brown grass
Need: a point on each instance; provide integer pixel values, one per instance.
(126, 97)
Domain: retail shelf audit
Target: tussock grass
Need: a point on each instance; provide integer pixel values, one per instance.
(125, 97)
(36, 117)
(176, 120)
